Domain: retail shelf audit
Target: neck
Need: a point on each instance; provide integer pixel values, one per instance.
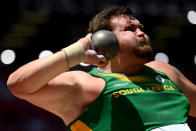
(125, 66)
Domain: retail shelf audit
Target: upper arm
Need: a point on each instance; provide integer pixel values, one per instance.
(61, 96)
(185, 85)
(189, 89)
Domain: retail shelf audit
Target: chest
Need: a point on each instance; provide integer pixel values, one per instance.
(120, 85)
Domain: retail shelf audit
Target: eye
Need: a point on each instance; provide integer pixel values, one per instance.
(131, 28)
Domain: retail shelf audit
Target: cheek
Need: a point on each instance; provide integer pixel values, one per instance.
(127, 41)
(127, 45)
(126, 38)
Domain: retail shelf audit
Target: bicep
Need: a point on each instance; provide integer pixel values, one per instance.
(56, 96)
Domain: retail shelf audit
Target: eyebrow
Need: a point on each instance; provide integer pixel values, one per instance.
(141, 26)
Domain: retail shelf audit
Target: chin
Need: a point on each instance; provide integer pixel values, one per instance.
(145, 53)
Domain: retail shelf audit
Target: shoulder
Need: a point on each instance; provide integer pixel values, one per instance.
(78, 82)
(161, 66)
(168, 69)
(74, 76)
(158, 65)
(174, 74)
(90, 86)
(80, 77)
(79, 90)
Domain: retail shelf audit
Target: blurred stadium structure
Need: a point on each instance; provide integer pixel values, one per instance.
(30, 26)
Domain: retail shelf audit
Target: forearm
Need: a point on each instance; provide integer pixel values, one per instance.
(36, 74)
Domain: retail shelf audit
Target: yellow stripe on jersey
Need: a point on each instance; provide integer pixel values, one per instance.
(79, 126)
(127, 78)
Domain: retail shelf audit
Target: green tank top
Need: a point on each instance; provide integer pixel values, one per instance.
(136, 102)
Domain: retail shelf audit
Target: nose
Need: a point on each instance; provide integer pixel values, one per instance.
(140, 33)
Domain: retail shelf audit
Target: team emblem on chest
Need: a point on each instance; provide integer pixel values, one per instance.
(160, 79)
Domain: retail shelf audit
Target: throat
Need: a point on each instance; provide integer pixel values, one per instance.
(124, 69)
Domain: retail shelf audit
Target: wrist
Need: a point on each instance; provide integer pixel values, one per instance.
(75, 54)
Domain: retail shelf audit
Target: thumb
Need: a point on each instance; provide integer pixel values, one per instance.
(95, 59)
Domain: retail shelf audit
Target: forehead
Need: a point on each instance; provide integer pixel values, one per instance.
(121, 21)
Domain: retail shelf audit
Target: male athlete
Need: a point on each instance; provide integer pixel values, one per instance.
(126, 93)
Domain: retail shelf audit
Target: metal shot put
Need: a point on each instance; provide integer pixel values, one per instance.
(104, 42)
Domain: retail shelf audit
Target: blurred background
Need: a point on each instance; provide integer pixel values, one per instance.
(31, 29)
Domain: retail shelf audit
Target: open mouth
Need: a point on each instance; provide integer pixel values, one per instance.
(143, 43)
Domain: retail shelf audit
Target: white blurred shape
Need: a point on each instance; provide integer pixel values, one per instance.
(162, 57)
(45, 53)
(8, 56)
(195, 59)
(191, 16)
(84, 64)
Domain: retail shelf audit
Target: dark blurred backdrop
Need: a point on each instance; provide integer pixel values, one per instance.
(31, 26)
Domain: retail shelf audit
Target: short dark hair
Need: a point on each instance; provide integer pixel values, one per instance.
(101, 21)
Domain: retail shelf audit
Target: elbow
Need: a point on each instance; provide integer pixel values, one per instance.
(11, 82)
(14, 85)
(21, 86)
